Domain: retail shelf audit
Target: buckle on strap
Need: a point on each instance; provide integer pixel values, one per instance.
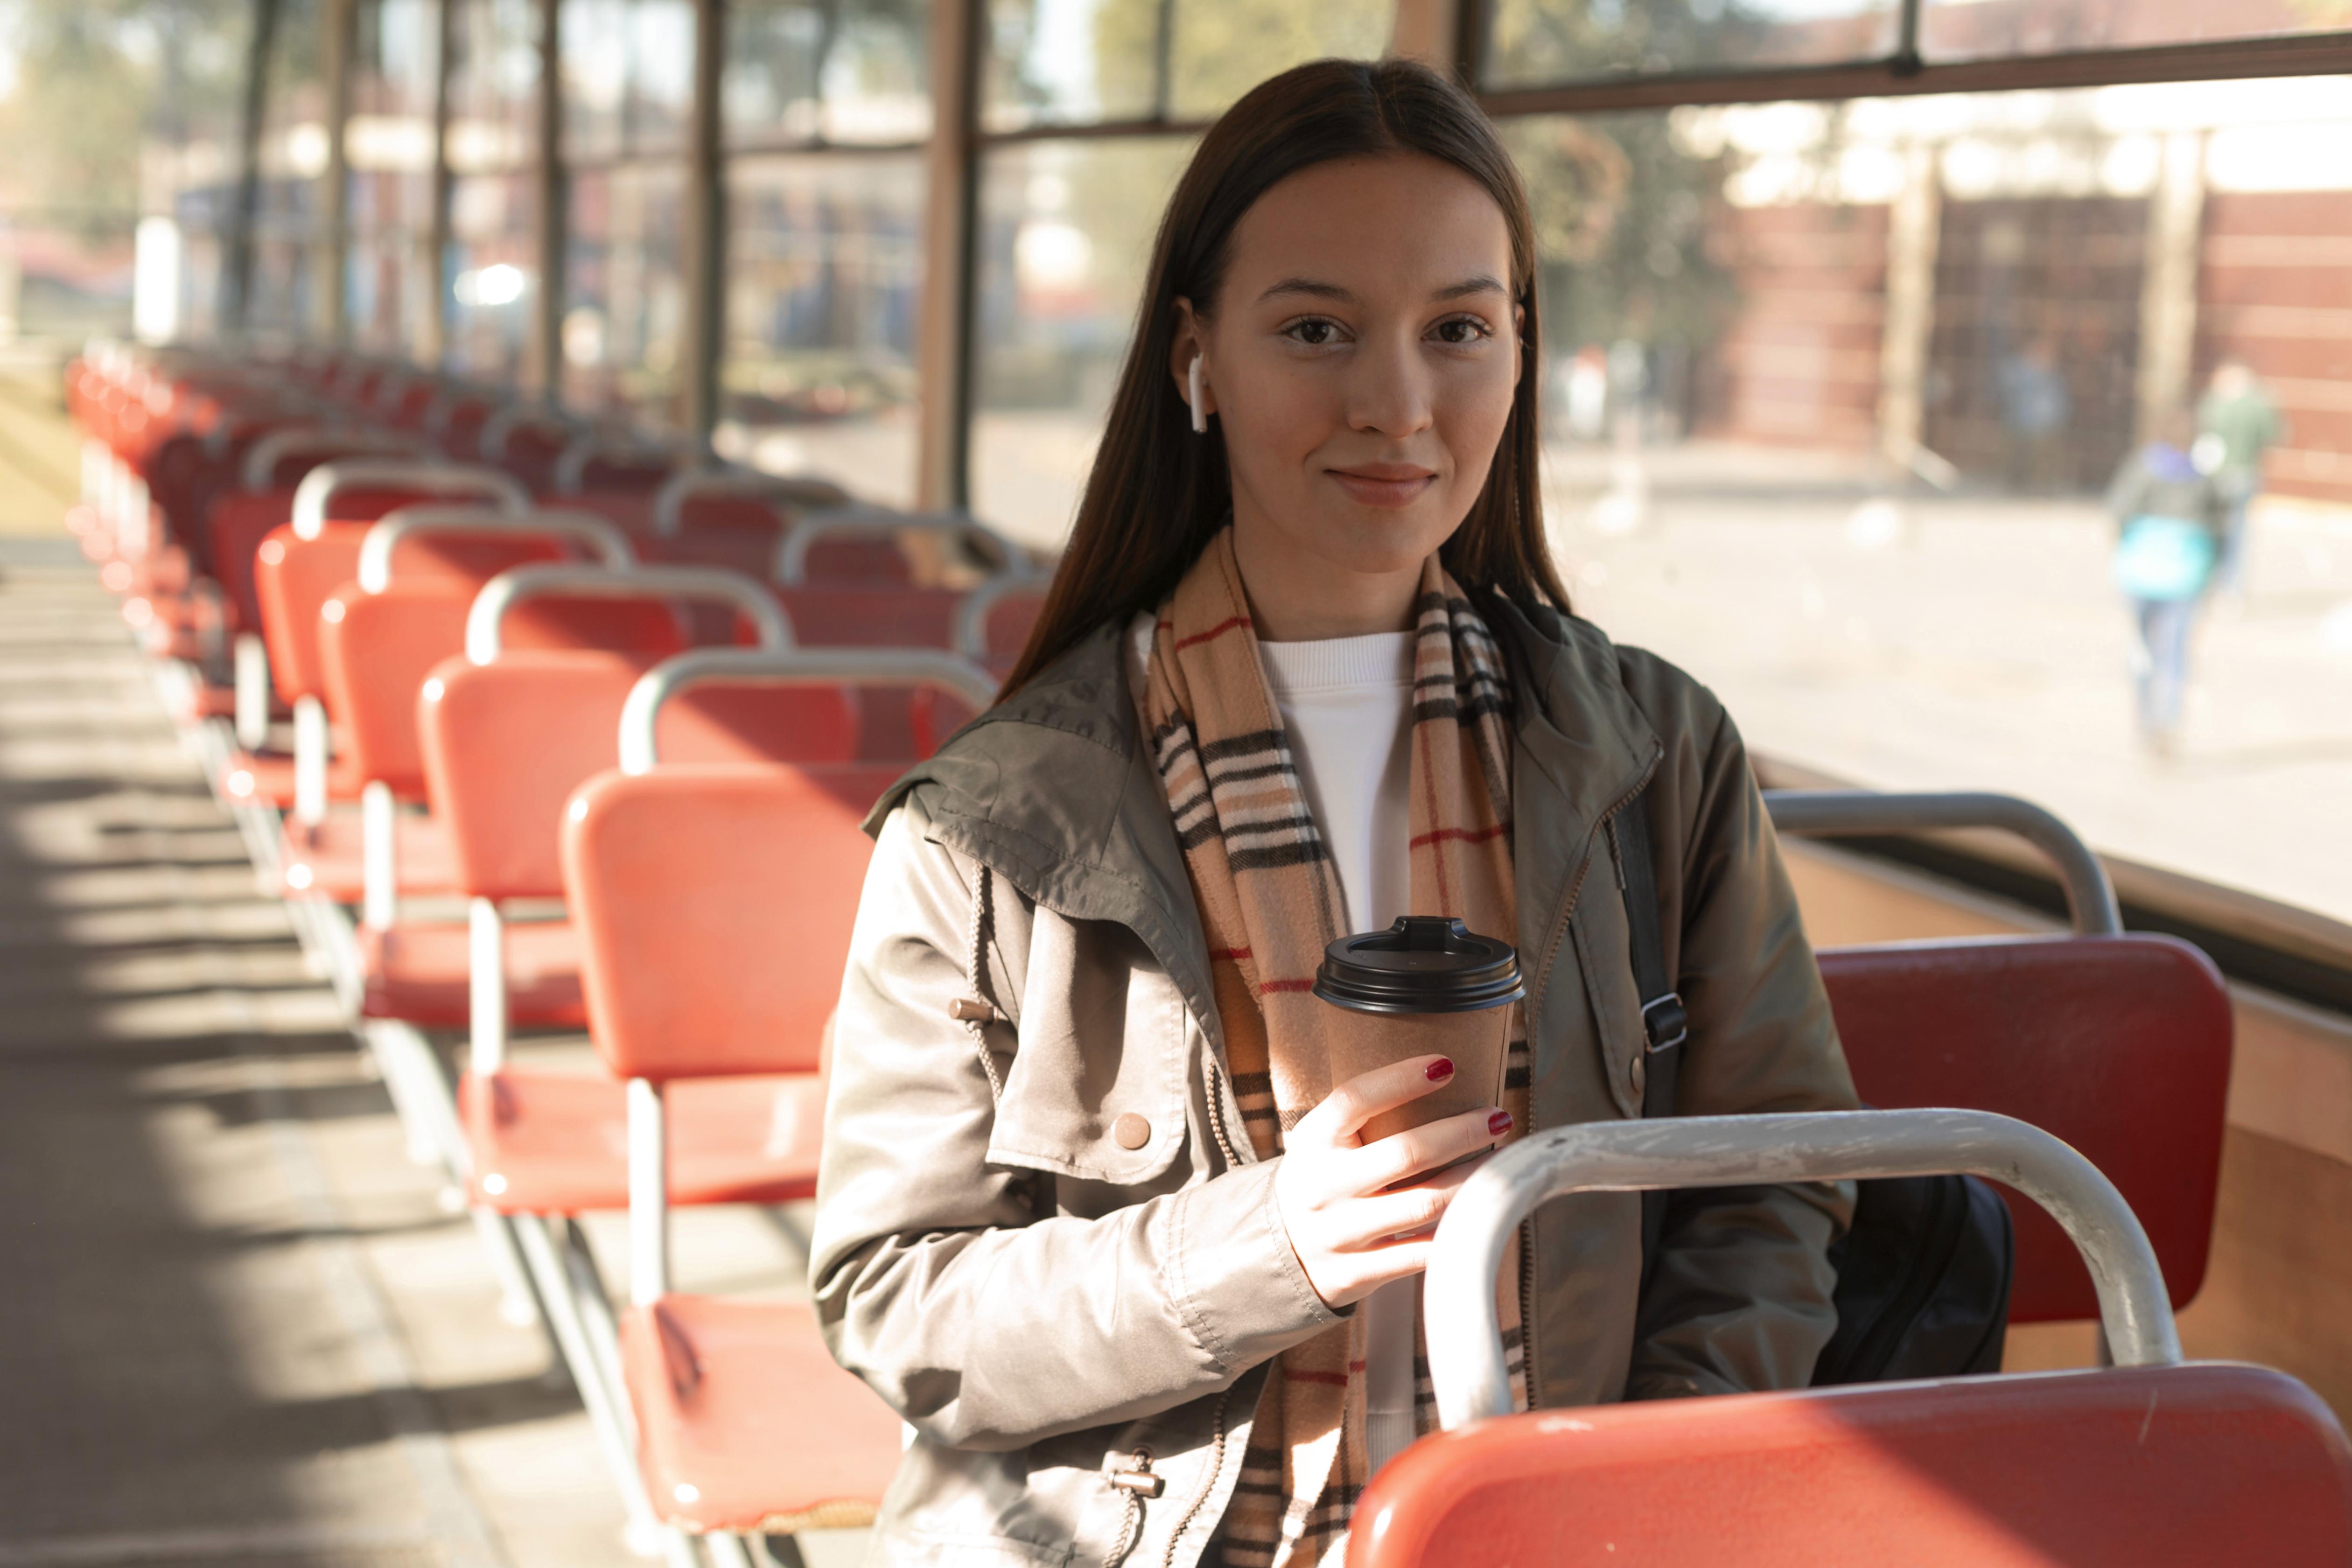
(1666, 1021)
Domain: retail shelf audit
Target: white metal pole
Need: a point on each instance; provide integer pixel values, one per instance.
(310, 760)
(379, 856)
(486, 988)
(648, 1193)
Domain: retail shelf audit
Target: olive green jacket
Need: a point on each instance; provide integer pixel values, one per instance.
(1043, 1239)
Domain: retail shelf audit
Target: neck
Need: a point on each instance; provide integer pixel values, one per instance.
(1294, 596)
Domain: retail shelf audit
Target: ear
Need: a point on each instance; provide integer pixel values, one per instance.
(1189, 340)
(1518, 342)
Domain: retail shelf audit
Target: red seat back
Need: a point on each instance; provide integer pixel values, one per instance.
(865, 615)
(2199, 1465)
(376, 651)
(504, 746)
(506, 743)
(294, 578)
(234, 525)
(2119, 1044)
(715, 904)
(719, 721)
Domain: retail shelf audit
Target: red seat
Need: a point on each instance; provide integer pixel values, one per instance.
(689, 881)
(417, 972)
(323, 860)
(2118, 1045)
(2197, 1466)
(548, 1143)
(745, 1422)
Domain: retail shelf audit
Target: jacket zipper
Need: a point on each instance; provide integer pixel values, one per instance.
(1216, 1473)
(1558, 934)
(1217, 1112)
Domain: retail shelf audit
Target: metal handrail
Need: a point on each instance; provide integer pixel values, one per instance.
(261, 458)
(1830, 813)
(1465, 1345)
(601, 535)
(796, 667)
(791, 556)
(508, 589)
(669, 501)
(971, 636)
(318, 487)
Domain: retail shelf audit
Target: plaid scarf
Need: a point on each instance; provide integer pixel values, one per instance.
(1270, 900)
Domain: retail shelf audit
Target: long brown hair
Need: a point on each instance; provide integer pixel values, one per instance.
(1158, 492)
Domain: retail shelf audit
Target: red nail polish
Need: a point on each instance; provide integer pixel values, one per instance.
(1499, 1123)
(1441, 1069)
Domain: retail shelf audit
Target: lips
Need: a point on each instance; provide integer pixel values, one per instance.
(1384, 484)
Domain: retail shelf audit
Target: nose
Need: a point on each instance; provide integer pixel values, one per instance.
(1390, 392)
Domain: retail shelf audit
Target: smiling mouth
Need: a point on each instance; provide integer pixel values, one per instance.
(1394, 488)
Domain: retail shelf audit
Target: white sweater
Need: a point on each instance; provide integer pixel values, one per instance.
(1347, 706)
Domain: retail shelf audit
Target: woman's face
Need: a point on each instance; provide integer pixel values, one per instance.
(1361, 357)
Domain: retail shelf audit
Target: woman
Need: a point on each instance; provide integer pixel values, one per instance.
(1094, 1218)
(2172, 527)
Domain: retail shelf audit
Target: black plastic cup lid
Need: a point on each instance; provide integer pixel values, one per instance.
(1424, 963)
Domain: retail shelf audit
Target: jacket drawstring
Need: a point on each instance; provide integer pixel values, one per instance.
(975, 1012)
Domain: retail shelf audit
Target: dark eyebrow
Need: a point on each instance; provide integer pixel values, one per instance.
(1481, 284)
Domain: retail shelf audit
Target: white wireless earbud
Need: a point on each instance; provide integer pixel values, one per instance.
(1200, 414)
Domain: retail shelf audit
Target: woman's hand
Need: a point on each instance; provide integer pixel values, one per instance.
(1354, 1226)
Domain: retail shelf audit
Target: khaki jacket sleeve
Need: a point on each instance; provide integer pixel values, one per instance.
(1740, 1296)
(951, 1285)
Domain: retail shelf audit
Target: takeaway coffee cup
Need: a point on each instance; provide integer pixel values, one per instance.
(1427, 985)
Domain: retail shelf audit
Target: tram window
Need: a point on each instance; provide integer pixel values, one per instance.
(493, 83)
(850, 71)
(1534, 43)
(1980, 29)
(1096, 60)
(1070, 63)
(624, 293)
(594, 41)
(824, 273)
(1065, 232)
(388, 144)
(1835, 394)
(1219, 49)
(491, 274)
(293, 155)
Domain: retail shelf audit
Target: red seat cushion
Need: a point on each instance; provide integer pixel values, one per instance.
(267, 778)
(2202, 1465)
(745, 1423)
(2119, 1044)
(548, 1143)
(321, 860)
(418, 973)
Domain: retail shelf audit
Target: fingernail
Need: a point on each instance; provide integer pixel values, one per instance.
(1499, 1123)
(1441, 1069)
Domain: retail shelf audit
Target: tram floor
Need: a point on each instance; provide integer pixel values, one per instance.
(238, 1324)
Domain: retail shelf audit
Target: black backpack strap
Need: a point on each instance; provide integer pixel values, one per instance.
(1665, 1022)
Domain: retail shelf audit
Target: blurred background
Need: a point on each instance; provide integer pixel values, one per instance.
(1874, 334)
(1836, 381)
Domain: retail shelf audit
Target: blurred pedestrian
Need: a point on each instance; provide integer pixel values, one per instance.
(2237, 424)
(2036, 406)
(2171, 515)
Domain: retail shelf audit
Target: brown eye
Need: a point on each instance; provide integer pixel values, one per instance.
(1315, 331)
(1461, 331)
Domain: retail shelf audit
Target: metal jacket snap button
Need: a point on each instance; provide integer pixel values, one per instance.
(1131, 1130)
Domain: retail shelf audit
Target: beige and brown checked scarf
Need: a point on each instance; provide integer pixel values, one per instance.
(1270, 900)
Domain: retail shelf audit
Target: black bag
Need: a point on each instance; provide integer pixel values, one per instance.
(1923, 1275)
